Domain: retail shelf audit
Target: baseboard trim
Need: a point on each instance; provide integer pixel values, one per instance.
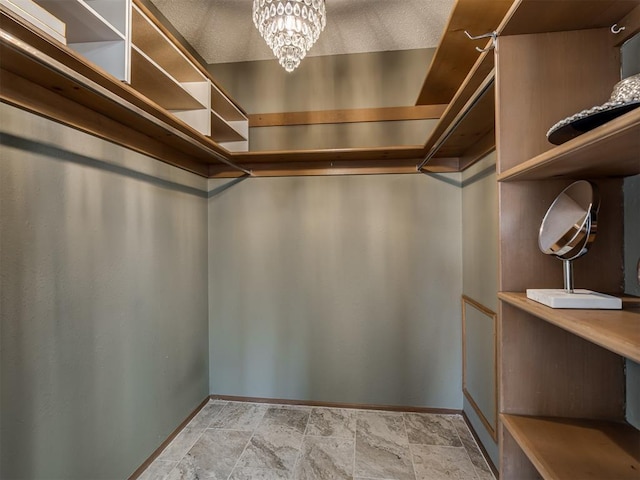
(356, 406)
(493, 468)
(164, 444)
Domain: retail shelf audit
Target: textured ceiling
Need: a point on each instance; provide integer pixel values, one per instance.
(222, 31)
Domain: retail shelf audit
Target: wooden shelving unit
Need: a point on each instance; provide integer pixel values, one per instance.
(162, 72)
(615, 330)
(229, 125)
(562, 379)
(576, 448)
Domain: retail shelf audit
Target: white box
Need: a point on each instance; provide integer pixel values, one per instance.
(38, 17)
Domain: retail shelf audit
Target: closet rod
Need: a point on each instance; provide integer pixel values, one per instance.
(54, 65)
(477, 96)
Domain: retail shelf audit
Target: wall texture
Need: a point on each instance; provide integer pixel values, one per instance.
(480, 282)
(631, 66)
(103, 291)
(339, 289)
(363, 80)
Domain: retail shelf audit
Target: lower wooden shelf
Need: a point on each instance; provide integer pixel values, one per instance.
(615, 330)
(563, 448)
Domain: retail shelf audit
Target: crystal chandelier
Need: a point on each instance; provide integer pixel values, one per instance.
(290, 28)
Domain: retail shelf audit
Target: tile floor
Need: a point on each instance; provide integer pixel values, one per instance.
(246, 441)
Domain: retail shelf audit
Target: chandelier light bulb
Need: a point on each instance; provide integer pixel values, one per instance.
(290, 28)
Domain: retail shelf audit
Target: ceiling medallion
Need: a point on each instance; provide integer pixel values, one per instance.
(290, 28)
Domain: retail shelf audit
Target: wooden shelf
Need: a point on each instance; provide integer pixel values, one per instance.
(223, 131)
(84, 24)
(610, 150)
(152, 81)
(562, 448)
(149, 39)
(615, 330)
(221, 104)
(526, 16)
(456, 54)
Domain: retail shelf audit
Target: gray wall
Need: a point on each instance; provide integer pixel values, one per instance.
(339, 289)
(103, 291)
(631, 66)
(480, 282)
(363, 80)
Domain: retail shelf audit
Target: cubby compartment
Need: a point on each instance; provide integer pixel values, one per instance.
(161, 72)
(97, 29)
(229, 125)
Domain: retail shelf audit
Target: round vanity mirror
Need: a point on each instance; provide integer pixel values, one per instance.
(568, 229)
(569, 226)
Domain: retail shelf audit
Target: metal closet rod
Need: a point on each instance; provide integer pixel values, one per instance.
(477, 96)
(54, 65)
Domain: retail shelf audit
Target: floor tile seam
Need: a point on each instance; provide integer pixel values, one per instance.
(214, 417)
(230, 429)
(355, 440)
(466, 450)
(406, 432)
(299, 454)
(253, 432)
(191, 445)
(475, 469)
(235, 465)
(310, 435)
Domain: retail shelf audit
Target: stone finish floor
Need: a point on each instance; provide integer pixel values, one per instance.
(246, 441)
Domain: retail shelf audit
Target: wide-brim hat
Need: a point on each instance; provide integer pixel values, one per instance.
(625, 97)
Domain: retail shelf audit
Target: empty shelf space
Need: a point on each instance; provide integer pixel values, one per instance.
(223, 131)
(152, 81)
(613, 149)
(615, 330)
(225, 107)
(84, 24)
(563, 448)
(150, 40)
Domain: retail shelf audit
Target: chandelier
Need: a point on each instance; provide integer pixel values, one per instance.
(290, 28)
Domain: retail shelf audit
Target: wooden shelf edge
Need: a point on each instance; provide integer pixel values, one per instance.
(624, 128)
(326, 167)
(463, 98)
(456, 54)
(563, 448)
(615, 330)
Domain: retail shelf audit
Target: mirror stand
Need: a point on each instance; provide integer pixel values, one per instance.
(567, 268)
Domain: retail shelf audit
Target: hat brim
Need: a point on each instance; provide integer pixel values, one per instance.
(587, 120)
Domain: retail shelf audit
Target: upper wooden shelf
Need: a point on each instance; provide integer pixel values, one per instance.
(568, 449)
(615, 330)
(456, 54)
(527, 16)
(611, 150)
(147, 37)
(466, 128)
